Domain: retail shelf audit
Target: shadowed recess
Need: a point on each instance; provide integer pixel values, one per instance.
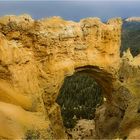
(79, 96)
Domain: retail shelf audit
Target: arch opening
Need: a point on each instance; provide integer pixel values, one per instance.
(78, 98)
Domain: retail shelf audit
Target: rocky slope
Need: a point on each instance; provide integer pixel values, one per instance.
(35, 58)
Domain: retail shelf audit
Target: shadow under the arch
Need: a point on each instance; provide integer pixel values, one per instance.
(102, 77)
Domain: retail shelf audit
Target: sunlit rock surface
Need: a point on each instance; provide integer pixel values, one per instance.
(133, 19)
(84, 129)
(35, 58)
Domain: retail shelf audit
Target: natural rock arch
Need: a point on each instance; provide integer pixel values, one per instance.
(107, 83)
(104, 79)
(37, 55)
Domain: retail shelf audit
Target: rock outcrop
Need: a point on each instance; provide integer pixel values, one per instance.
(35, 58)
(133, 19)
(84, 129)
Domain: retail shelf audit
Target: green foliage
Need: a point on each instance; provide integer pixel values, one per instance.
(131, 37)
(78, 98)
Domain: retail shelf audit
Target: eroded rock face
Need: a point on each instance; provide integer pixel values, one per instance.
(130, 75)
(35, 58)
